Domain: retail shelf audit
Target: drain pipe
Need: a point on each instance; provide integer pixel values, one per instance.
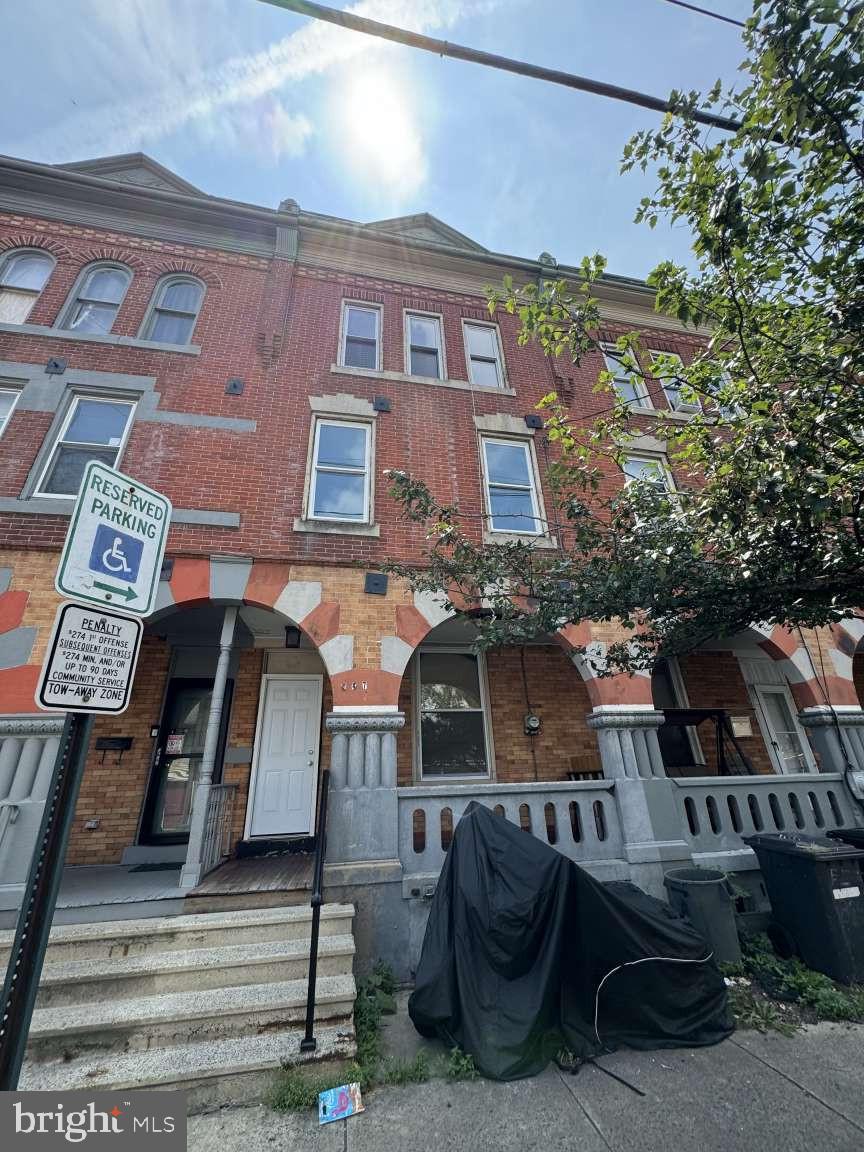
(191, 873)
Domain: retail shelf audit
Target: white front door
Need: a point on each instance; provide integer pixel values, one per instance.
(285, 763)
(786, 738)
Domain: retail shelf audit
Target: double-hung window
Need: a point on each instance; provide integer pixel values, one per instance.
(175, 309)
(651, 470)
(451, 732)
(23, 275)
(666, 367)
(483, 353)
(361, 336)
(93, 429)
(511, 487)
(627, 382)
(97, 300)
(424, 345)
(341, 468)
(8, 400)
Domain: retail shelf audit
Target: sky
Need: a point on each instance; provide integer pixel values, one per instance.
(250, 102)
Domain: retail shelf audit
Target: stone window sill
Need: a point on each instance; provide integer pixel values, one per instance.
(95, 338)
(405, 378)
(518, 537)
(336, 528)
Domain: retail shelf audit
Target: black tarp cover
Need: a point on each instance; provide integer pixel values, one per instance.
(519, 941)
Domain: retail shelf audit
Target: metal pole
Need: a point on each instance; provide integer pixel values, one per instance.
(309, 1043)
(40, 897)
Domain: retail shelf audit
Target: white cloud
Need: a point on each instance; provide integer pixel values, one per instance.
(178, 89)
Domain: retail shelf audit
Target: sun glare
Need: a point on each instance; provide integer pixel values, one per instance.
(378, 134)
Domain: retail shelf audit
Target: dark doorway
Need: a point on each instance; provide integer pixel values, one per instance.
(177, 763)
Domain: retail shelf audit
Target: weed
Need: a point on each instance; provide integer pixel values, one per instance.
(789, 980)
(751, 1011)
(460, 1066)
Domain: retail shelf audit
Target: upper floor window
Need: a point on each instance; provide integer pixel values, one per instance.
(361, 336)
(174, 310)
(511, 487)
(23, 275)
(629, 386)
(667, 367)
(424, 345)
(483, 353)
(93, 429)
(651, 470)
(97, 299)
(8, 400)
(340, 482)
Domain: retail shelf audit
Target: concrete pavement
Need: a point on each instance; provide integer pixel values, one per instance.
(750, 1093)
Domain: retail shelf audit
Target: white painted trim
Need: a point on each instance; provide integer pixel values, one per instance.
(72, 405)
(65, 314)
(406, 332)
(499, 348)
(368, 709)
(756, 692)
(600, 709)
(309, 516)
(347, 303)
(256, 748)
(16, 392)
(680, 689)
(537, 503)
(637, 381)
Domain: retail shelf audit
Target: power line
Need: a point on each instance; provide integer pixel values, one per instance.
(492, 60)
(707, 12)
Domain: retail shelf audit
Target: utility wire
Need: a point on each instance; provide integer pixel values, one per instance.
(492, 60)
(707, 12)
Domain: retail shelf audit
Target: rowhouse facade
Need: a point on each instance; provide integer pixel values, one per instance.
(264, 368)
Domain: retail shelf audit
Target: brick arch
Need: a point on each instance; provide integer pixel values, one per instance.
(188, 268)
(36, 240)
(267, 585)
(415, 621)
(116, 256)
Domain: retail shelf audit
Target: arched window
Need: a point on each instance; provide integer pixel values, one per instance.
(23, 275)
(96, 299)
(175, 309)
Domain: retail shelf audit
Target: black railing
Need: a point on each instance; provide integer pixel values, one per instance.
(309, 1043)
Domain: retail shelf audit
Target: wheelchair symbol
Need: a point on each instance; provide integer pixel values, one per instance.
(113, 558)
(116, 554)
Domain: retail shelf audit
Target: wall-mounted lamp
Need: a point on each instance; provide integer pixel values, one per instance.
(292, 636)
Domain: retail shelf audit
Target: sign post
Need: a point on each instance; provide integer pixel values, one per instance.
(112, 558)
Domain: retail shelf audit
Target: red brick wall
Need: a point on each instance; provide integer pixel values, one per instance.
(113, 793)
(714, 680)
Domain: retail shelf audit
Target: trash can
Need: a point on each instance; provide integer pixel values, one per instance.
(816, 888)
(704, 897)
(853, 836)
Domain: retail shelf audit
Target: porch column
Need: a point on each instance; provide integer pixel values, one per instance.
(837, 736)
(363, 812)
(651, 824)
(190, 875)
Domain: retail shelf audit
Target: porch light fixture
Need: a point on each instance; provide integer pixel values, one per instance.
(292, 636)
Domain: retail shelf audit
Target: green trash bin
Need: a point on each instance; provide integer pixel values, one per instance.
(704, 897)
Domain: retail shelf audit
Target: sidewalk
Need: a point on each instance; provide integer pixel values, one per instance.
(750, 1093)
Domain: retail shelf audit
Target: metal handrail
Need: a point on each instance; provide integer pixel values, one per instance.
(309, 1043)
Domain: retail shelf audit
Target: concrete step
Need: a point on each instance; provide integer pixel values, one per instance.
(175, 1019)
(213, 1072)
(122, 938)
(152, 974)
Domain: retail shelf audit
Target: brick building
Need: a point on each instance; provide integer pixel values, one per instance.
(263, 368)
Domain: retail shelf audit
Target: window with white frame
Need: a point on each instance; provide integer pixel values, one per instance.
(511, 486)
(666, 367)
(93, 429)
(629, 386)
(97, 300)
(651, 470)
(23, 275)
(361, 336)
(424, 345)
(175, 309)
(451, 711)
(483, 353)
(8, 400)
(341, 469)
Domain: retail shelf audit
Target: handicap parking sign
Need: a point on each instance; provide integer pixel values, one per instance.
(116, 554)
